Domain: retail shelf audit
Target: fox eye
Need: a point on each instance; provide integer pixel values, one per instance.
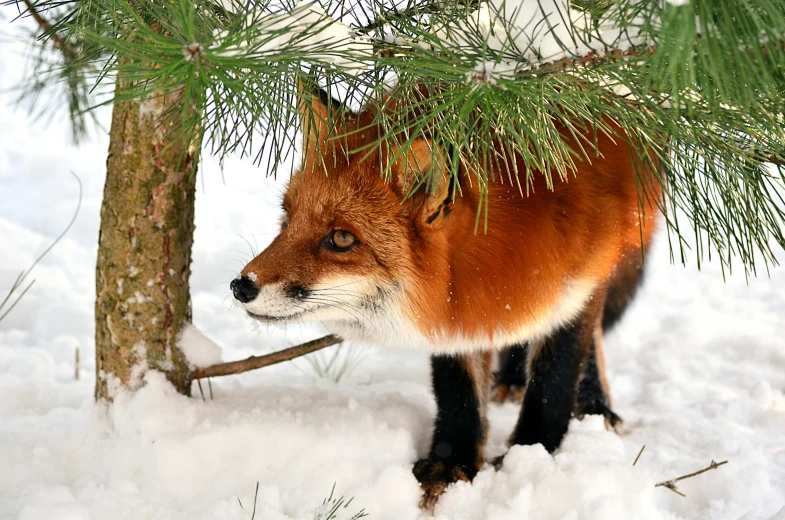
(342, 240)
(285, 220)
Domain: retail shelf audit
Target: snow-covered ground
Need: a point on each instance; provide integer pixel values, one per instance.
(697, 369)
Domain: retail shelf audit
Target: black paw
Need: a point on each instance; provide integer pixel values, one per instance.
(497, 462)
(504, 393)
(434, 477)
(612, 419)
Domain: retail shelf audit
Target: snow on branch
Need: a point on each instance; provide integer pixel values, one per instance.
(530, 33)
(307, 28)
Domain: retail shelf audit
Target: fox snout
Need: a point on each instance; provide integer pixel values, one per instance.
(277, 300)
(244, 289)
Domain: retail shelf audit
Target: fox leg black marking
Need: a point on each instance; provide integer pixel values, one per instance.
(594, 396)
(509, 381)
(555, 369)
(461, 385)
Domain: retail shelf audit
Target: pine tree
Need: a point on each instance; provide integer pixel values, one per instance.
(144, 247)
(697, 86)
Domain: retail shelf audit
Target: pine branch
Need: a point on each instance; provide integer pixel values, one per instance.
(696, 87)
(69, 53)
(254, 362)
(774, 159)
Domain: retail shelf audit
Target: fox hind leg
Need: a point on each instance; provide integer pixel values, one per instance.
(461, 384)
(555, 370)
(594, 397)
(509, 381)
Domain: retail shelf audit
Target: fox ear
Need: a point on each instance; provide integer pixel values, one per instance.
(421, 174)
(318, 115)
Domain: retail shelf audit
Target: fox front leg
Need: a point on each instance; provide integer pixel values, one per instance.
(461, 384)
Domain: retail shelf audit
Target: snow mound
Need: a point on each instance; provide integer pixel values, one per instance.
(199, 350)
(55, 503)
(154, 409)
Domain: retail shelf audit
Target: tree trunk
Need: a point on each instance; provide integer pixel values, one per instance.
(144, 248)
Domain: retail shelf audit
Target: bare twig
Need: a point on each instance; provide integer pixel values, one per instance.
(671, 484)
(11, 291)
(210, 386)
(254, 362)
(255, 497)
(76, 364)
(639, 454)
(201, 391)
(24, 274)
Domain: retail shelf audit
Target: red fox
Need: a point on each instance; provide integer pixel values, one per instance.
(373, 262)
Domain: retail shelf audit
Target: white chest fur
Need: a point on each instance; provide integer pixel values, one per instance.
(390, 326)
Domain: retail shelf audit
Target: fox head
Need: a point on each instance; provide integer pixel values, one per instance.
(345, 254)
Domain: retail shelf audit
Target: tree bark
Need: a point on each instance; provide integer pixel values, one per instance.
(144, 248)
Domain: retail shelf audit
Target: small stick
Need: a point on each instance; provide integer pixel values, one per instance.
(76, 365)
(671, 484)
(639, 455)
(254, 362)
(255, 496)
(200, 390)
(210, 386)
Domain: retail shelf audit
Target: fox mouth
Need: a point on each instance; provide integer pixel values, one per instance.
(274, 319)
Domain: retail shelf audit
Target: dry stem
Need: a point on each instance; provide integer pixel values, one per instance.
(639, 454)
(671, 484)
(201, 391)
(24, 274)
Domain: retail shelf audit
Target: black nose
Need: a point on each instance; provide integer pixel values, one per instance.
(243, 289)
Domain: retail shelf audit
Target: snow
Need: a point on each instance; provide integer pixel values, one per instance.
(56, 504)
(199, 350)
(697, 369)
(489, 72)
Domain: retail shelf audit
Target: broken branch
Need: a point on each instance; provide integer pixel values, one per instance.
(254, 362)
(671, 484)
(639, 454)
